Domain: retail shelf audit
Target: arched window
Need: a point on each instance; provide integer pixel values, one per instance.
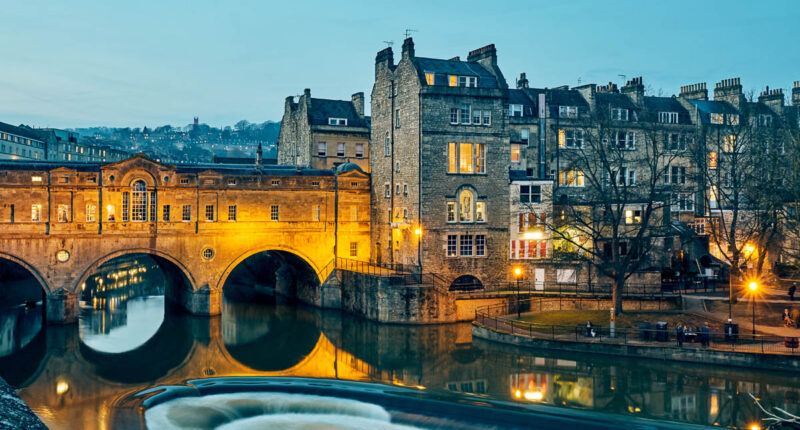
(465, 206)
(139, 201)
(387, 147)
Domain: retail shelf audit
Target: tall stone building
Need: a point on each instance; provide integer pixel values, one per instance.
(21, 143)
(322, 133)
(440, 167)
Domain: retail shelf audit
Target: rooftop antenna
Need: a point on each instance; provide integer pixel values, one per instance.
(409, 31)
(623, 77)
(579, 80)
(388, 43)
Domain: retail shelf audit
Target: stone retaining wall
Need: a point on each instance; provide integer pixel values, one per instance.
(14, 413)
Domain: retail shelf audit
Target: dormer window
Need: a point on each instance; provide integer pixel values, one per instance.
(619, 114)
(765, 120)
(567, 111)
(429, 78)
(515, 110)
(716, 118)
(733, 119)
(462, 81)
(337, 121)
(668, 117)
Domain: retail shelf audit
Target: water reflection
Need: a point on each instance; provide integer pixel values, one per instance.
(18, 326)
(75, 383)
(122, 304)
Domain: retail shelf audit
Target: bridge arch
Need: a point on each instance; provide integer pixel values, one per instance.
(279, 248)
(32, 270)
(119, 253)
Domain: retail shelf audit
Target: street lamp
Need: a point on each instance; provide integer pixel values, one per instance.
(517, 274)
(753, 287)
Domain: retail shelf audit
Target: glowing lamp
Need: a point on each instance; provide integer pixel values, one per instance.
(753, 286)
(517, 271)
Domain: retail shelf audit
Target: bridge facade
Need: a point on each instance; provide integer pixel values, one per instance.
(63, 221)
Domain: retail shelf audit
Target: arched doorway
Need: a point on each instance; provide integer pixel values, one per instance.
(466, 283)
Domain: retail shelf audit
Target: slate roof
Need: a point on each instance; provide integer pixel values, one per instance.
(322, 109)
(616, 100)
(707, 107)
(654, 105)
(442, 68)
(562, 97)
(20, 131)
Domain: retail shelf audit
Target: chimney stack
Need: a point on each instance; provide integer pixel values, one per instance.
(610, 88)
(522, 82)
(258, 156)
(486, 55)
(729, 90)
(772, 98)
(634, 89)
(694, 91)
(358, 103)
(408, 48)
(384, 58)
(796, 94)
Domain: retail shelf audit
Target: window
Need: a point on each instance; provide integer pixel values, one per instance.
(452, 155)
(451, 211)
(465, 245)
(733, 119)
(530, 194)
(682, 202)
(729, 144)
(273, 213)
(712, 160)
(11, 215)
(184, 181)
(231, 181)
(139, 201)
(570, 178)
(354, 213)
(465, 201)
(36, 213)
(315, 213)
(405, 189)
(675, 175)
(454, 115)
(340, 149)
(452, 80)
(387, 191)
(716, 118)
(337, 121)
(397, 118)
(125, 204)
(322, 149)
(354, 185)
(528, 249)
(359, 150)
(465, 81)
(63, 213)
(487, 117)
(675, 142)
(452, 245)
(152, 206)
(567, 111)
(387, 145)
(480, 245)
(622, 177)
(625, 139)
(764, 120)
(353, 249)
(397, 166)
(471, 158)
(186, 213)
(275, 182)
(524, 135)
(397, 189)
(429, 78)
(515, 110)
(515, 151)
(633, 216)
(111, 213)
(480, 212)
(209, 212)
(37, 179)
(232, 213)
(668, 117)
(165, 213)
(465, 113)
(315, 184)
(570, 138)
(476, 117)
(566, 276)
(91, 212)
(619, 114)
(712, 197)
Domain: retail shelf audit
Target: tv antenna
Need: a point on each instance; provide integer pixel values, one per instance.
(579, 80)
(623, 77)
(388, 43)
(409, 31)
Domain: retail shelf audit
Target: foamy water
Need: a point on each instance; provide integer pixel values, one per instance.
(244, 411)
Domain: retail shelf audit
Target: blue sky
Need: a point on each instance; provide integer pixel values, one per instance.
(151, 62)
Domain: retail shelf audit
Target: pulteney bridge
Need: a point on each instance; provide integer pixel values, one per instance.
(63, 221)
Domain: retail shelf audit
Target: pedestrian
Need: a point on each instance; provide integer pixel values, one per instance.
(792, 289)
(705, 335)
(589, 329)
(679, 335)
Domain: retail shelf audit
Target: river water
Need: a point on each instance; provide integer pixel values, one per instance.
(130, 339)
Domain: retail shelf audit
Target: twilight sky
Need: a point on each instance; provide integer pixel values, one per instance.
(156, 62)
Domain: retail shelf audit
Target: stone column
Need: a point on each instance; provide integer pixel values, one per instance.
(61, 307)
(203, 302)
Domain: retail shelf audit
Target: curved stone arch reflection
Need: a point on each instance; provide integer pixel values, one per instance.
(25, 364)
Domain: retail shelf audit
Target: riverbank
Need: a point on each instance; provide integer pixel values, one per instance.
(691, 354)
(14, 413)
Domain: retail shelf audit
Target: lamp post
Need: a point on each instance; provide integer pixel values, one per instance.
(517, 274)
(753, 287)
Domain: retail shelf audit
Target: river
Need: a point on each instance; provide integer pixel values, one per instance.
(129, 339)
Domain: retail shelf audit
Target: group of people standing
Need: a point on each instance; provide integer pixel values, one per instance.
(684, 333)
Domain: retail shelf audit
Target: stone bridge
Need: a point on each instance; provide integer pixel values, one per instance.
(63, 221)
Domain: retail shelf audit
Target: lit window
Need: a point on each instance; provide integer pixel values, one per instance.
(570, 138)
(91, 212)
(340, 149)
(125, 205)
(232, 213)
(633, 216)
(36, 179)
(451, 157)
(451, 211)
(139, 201)
(465, 201)
(515, 151)
(36, 213)
(733, 119)
(63, 213)
(209, 212)
(716, 118)
(480, 212)
(729, 143)
(322, 149)
(452, 80)
(712, 160)
(570, 178)
(274, 213)
(452, 245)
(186, 213)
(429, 78)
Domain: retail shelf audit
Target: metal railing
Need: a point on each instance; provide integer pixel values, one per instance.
(503, 318)
(533, 288)
(430, 280)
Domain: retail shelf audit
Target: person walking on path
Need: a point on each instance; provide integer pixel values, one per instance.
(704, 335)
(792, 289)
(679, 334)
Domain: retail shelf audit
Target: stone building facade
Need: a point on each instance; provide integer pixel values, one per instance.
(21, 143)
(440, 165)
(322, 133)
